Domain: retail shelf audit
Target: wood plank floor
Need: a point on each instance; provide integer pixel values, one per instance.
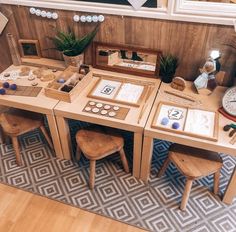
(23, 211)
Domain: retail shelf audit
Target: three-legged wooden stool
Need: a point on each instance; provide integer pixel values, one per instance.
(194, 164)
(16, 122)
(97, 143)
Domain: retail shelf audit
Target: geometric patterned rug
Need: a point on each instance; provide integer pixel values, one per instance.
(118, 195)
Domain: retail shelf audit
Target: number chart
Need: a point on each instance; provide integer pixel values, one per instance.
(188, 121)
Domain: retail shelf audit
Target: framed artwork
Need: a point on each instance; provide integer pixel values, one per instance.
(118, 90)
(29, 48)
(198, 123)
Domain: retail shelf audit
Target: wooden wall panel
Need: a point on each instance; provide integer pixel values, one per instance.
(190, 42)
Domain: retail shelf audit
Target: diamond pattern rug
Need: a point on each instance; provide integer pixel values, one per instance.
(118, 195)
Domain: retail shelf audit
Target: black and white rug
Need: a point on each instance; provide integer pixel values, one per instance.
(119, 195)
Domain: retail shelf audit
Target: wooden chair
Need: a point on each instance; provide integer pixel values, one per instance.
(96, 143)
(194, 164)
(16, 122)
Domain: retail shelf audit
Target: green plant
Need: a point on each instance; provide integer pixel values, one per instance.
(168, 65)
(69, 45)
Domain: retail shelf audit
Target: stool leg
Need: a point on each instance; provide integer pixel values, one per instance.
(92, 174)
(45, 133)
(163, 168)
(186, 194)
(78, 153)
(216, 182)
(124, 160)
(17, 150)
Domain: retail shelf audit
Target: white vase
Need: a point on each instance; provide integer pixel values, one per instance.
(74, 60)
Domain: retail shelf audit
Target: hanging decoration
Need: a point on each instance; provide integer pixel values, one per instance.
(137, 4)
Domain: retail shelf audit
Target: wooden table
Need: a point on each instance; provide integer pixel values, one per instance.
(212, 102)
(40, 104)
(74, 110)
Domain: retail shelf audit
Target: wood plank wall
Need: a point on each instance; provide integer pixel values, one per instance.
(190, 42)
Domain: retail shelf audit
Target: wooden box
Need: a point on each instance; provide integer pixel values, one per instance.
(55, 89)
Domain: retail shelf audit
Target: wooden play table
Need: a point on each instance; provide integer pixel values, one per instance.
(134, 121)
(40, 104)
(212, 102)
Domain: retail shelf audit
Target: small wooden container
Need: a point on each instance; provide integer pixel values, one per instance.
(70, 74)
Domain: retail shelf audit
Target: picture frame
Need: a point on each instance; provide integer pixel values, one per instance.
(127, 59)
(188, 125)
(29, 48)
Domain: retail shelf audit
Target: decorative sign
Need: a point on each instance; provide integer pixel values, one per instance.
(183, 120)
(137, 3)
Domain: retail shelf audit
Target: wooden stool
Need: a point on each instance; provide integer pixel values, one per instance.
(97, 143)
(193, 163)
(16, 122)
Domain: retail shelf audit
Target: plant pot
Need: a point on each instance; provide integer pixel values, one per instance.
(167, 79)
(74, 60)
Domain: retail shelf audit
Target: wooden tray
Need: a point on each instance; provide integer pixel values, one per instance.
(121, 113)
(53, 89)
(208, 120)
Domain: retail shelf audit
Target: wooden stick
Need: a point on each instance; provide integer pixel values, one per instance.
(233, 140)
(180, 95)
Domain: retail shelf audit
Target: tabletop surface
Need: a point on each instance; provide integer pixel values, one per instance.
(211, 103)
(132, 121)
(40, 103)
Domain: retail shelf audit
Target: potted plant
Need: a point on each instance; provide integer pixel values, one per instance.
(72, 47)
(168, 65)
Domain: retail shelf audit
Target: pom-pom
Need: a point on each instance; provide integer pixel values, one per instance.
(13, 87)
(175, 125)
(164, 121)
(2, 91)
(61, 80)
(6, 85)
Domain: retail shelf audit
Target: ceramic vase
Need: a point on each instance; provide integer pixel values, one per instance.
(75, 61)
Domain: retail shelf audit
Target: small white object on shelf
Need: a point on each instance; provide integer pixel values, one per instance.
(89, 19)
(101, 18)
(95, 18)
(32, 10)
(43, 13)
(76, 18)
(54, 15)
(83, 18)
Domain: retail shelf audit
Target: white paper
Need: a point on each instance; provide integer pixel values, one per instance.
(137, 3)
(130, 93)
(106, 89)
(200, 122)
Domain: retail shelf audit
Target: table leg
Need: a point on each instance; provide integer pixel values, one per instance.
(137, 153)
(146, 158)
(55, 136)
(230, 191)
(64, 133)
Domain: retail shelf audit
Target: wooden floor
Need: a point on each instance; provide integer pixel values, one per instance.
(23, 211)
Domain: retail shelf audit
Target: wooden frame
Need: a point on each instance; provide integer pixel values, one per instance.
(115, 68)
(216, 122)
(122, 81)
(34, 52)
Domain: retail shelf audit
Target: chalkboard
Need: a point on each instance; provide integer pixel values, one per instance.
(149, 3)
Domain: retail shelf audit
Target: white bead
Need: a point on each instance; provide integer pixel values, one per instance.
(101, 18)
(54, 15)
(89, 19)
(38, 12)
(43, 13)
(49, 15)
(95, 18)
(32, 10)
(76, 18)
(83, 18)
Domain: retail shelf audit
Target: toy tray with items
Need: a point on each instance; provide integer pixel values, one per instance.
(194, 122)
(69, 84)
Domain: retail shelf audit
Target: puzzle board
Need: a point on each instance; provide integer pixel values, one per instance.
(26, 91)
(118, 90)
(106, 110)
(193, 122)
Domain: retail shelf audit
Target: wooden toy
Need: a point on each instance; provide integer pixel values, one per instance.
(178, 83)
(107, 110)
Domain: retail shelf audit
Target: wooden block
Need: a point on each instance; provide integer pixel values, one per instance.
(178, 83)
